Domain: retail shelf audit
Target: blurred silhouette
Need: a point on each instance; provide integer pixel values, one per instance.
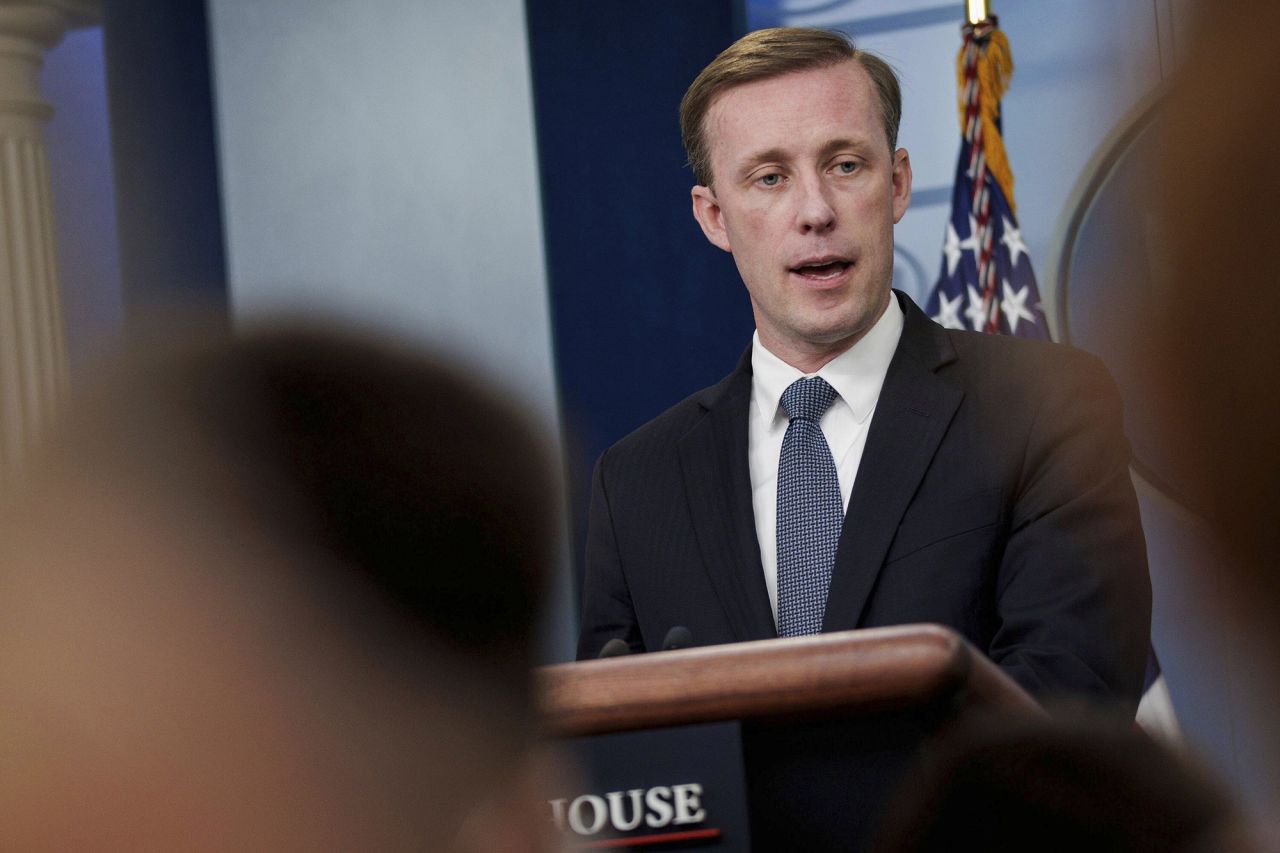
(1034, 784)
(1215, 345)
(275, 591)
(1213, 349)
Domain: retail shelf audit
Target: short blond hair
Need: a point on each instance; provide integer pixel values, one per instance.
(773, 52)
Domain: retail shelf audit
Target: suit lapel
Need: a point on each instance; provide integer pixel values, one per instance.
(717, 479)
(912, 415)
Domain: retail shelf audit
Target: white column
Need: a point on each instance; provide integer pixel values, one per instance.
(33, 357)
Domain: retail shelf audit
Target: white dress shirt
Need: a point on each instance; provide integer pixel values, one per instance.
(857, 376)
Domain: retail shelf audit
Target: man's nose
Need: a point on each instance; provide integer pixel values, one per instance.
(815, 212)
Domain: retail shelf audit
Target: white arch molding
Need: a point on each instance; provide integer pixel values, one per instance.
(33, 353)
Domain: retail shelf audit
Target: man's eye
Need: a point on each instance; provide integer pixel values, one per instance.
(771, 180)
(847, 167)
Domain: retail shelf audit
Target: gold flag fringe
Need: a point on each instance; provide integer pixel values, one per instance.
(995, 70)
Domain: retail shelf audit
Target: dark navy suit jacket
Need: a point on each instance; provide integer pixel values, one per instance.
(993, 496)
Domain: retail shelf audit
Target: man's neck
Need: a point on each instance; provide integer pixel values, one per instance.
(809, 357)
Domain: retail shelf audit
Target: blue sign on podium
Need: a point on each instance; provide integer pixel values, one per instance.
(666, 789)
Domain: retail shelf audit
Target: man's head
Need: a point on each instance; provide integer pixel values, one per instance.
(791, 135)
(773, 52)
(276, 591)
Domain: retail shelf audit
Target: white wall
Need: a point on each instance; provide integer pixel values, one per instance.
(378, 165)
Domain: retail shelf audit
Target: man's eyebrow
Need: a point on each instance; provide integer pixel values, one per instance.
(746, 164)
(840, 144)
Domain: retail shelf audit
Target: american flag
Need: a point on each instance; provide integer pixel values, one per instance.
(986, 282)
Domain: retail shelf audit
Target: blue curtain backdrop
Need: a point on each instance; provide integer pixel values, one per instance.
(644, 311)
(164, 146)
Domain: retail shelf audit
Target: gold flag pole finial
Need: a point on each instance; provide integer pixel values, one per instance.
(979, 10)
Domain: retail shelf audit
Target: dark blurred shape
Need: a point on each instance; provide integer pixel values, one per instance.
(1215, 344)
(428, 488)
(1212, 345)
(276, 591)
(1020, 784)
(678, 637)
(615, 648)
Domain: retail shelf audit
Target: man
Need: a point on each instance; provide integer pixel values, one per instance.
(910, 474)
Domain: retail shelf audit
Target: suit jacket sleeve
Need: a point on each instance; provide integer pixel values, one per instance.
(1073, 592)
(607, 611)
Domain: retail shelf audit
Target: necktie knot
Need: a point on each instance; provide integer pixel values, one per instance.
(808, 399)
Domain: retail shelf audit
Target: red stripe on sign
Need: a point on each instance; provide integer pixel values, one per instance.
(637, 840)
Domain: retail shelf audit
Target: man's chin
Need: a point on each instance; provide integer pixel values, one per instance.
(839, 339)
(847, 332)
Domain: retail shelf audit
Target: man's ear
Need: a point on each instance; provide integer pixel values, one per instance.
(707, 211)
(901, 183)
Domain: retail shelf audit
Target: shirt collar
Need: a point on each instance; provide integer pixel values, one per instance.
(856, 374)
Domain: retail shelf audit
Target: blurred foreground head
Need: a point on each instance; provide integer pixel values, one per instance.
(1059, 786)
(1216, 348)
(279, 592)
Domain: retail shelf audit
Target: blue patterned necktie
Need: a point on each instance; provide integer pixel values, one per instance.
(809, 510)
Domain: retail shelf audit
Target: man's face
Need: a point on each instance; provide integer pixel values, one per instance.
(806, 194)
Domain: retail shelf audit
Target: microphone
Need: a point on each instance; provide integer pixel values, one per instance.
(677, 638)
(614, 648)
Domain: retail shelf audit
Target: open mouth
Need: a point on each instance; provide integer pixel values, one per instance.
(822, 270)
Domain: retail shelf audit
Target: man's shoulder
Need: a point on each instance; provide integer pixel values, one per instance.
(670, 426)
(1025, 361)
(663, 433)
(997, 361)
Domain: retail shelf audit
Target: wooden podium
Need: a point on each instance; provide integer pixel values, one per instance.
(829, 722)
